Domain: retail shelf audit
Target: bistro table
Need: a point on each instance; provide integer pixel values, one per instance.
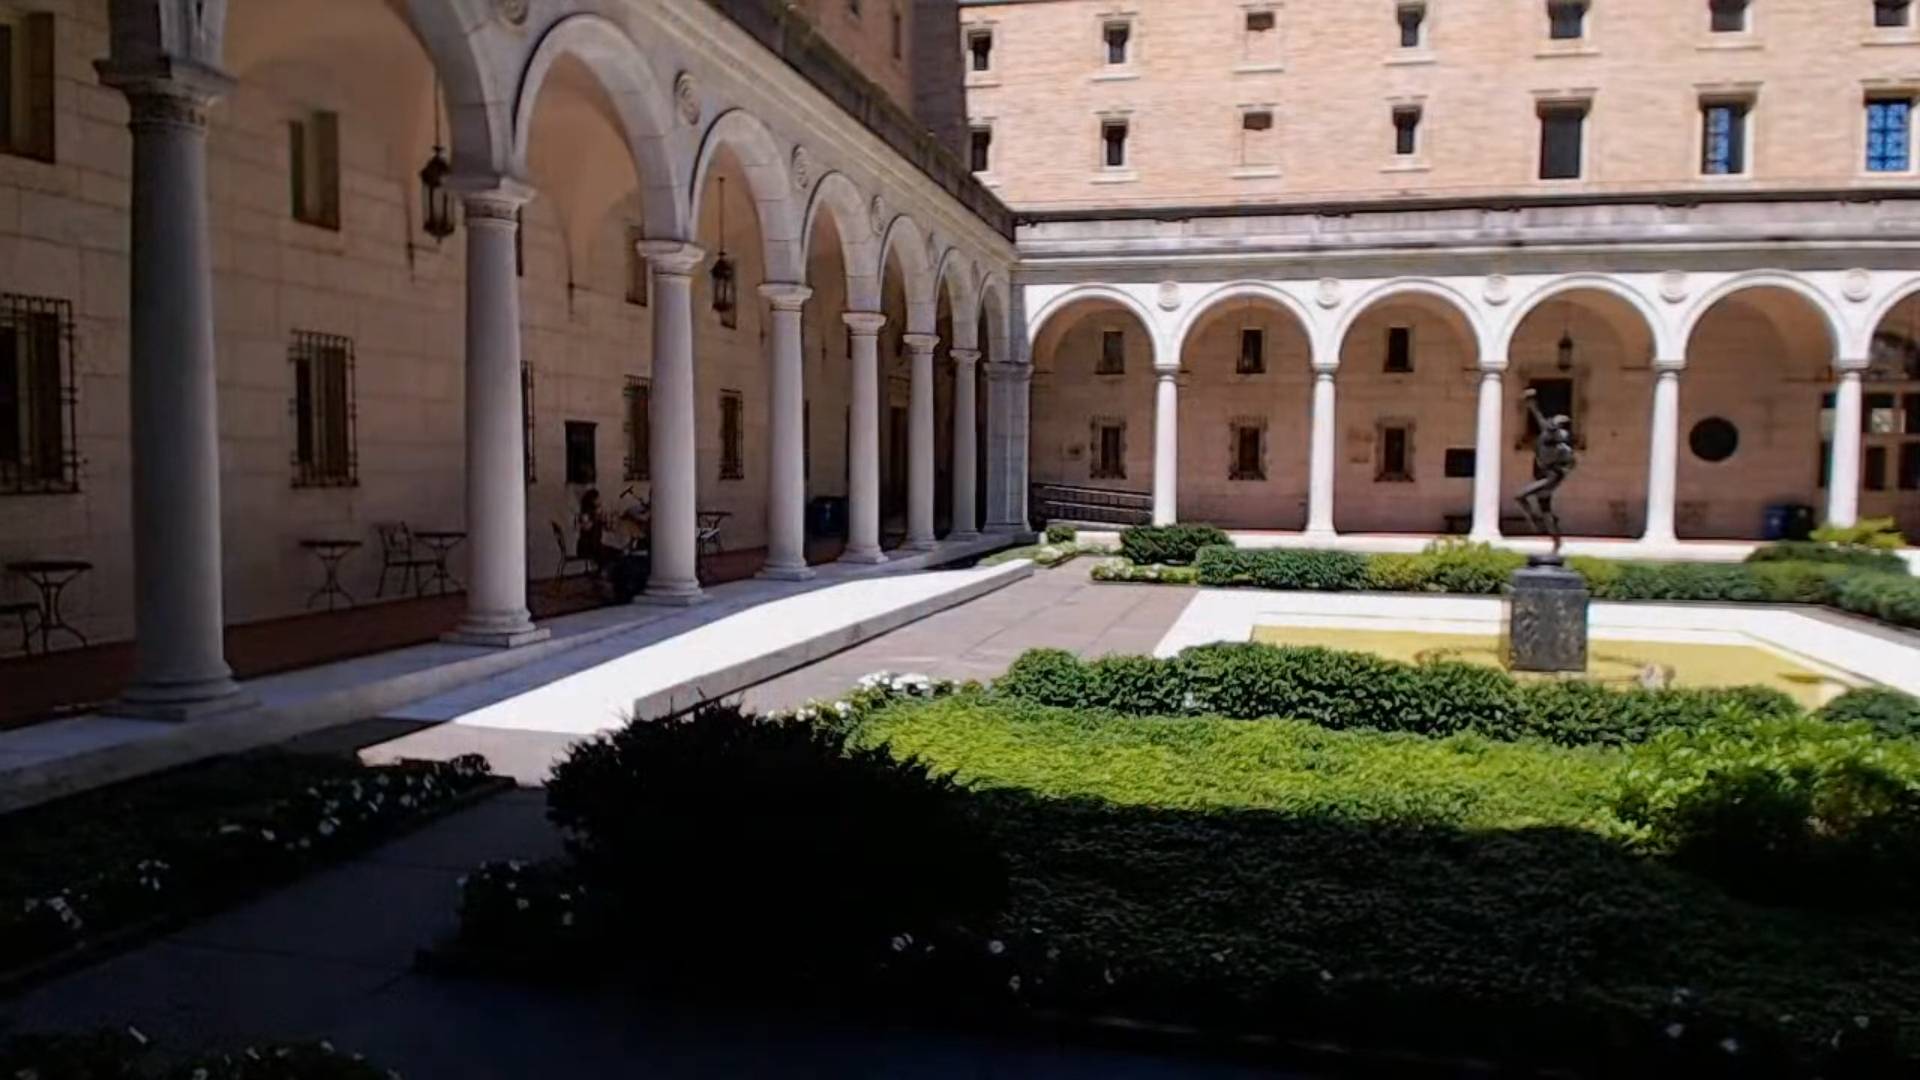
(51, 577)
(707, 537)
(330, 552)
(440, 544)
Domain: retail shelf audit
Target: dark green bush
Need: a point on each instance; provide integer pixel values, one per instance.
(1061, 534)
(1349, 690)
(1171, 545)
(1278, 568)
(751, 851)
(1880, 596)
(110, 1055)
(1458, 566)
(1793, 810)
(1892, 713)
(1810, 551)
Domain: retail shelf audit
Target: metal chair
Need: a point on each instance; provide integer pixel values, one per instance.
(569, 556)
(399, 555)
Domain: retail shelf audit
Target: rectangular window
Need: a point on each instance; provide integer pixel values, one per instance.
(528, 440)
(733, 435)
(1396, 455)
(323, 454)
(1562, 139)
(898, 29)
(1555, 398)
(1259, 147)
(1260, 42)
(980, 149)
(806, 440)
(1910, 405)
(1113, 353)
(1249, 451)
(1723, 137)
(1889, 134)
(1117, 36)
(853, 8)
(1874, 466)
(1260, 22)
(582, 455)
(1881, 415)
(519, 242)
(1892, 14)
(1727, 16)
(639, 428)
(639, 278)
(38, 452)
(1909, 479)
(1461, 463)
(980, 50)
(1109, 450)
(1406, 130)
(1566, 19)
(1113, 144)
(27, 85)
(1253, 352)
(1413, 20)
(1399, 350)
(313, 168)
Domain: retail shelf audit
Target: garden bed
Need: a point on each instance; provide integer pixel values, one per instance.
(97, 872)
(108, 1055)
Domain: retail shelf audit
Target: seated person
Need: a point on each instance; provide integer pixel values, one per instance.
(592, 527)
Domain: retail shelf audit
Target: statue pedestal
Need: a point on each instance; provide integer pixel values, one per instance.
(1547, 618)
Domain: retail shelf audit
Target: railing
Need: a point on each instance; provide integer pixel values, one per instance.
(790, 35)
(1091, 506)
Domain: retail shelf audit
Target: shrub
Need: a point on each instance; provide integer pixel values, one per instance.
(1880, 596)
(1276, 568)
(1061, 534)
(1397, 573)
(1873, 534)
(1892, 713)
(1172, 545)
(738, 848)
(1461, 566)
(1601, 574)
(1119, 569)
(1791, 810)
(1350, 690)
(107, 1054)
(1811, 551)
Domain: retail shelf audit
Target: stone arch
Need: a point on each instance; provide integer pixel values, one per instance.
(1084, 293)
(1242, 290)
(837, 196)
(1662, 331)
(995, 305)
(761, 158)
(639, 98)
(1446, 294)
(1881, 312)
(1837, 330)
(955, 274)
(904, 238)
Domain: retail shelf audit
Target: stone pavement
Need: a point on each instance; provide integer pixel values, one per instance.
(1060, 608)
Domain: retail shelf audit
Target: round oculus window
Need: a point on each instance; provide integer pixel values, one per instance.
(1714, 439)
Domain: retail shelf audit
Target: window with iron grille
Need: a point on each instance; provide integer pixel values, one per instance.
(639, 427)
(38, 451)
(527, 429)
(1253, 352)
(980, 149)
(733, 435)
(27, 85)
(1889, 134)
(323, 413)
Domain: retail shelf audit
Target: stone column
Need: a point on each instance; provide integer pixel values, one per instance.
(1487, 455)
(1322, 448)
(1663, 458)
(966, 497)
(1166, 446)
(672, 449)
(863, 441)
(1007, 386)
(920, 444)
(180, 668)
(787, 442)
(496, 426)
(1843, 465)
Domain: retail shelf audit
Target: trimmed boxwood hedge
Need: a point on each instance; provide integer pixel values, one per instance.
(1350, 690)
(1169, 545)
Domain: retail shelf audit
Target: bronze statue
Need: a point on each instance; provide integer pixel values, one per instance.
(1553, 459)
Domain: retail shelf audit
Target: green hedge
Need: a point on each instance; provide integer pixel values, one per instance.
(1892, 713)
(1860, 558)
(1348, 690)
(1169, 545)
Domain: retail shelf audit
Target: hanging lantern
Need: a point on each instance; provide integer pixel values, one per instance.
(1564, 357)
(722, 272)
(436, 200)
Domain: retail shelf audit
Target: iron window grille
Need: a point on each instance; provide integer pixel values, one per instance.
(733, 408)
(1109, 449)
(324, 453)
(39, 451)
(639, 427)
(1723, 130)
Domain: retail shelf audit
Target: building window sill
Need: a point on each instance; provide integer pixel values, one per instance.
(1114, 76)
(982, 80)
(1733, 43)
(1117, 176)
(1553, 53)
(1410, 58)
(1901, 177)
(1726, 179)
(1413, 165)
(1259, 69)
(1256, 172)
(1892, 39)
(987, 178)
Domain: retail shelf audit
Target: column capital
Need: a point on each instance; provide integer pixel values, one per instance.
(1491, 367)
(672, 258)
(1166, 374)
(1852, 366)
(490, 198)
(1001, 371)
(1325, 371)
(965, 357)
(863, 323)
(785, 296)
(920, 343)
(164, 91)
(1672, 365)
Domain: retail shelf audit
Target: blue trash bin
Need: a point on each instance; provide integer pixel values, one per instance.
(1773, 526)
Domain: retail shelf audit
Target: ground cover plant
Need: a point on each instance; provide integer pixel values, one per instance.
(128, 1054)
(86, 868)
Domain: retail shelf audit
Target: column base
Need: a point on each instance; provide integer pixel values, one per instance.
(872, 556)
(962, 537)
(923, 543)
(182, 701)
(496, 637)
(673, 594)
(1653, 538)
(785, 573)
(1322, 534)
(1490, 537)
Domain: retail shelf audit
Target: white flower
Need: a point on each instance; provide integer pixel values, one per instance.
(1325, 975)
(267, 835)
(461, 882)
(521, 904)
(136, 1035)
(566, 919)
(899, 944)
(229, 830)
(1730, 1045)
(326, 1046)
(996, 947)
(1108, 975)
(200, 1074)
(1674, 1030)
(326, 828)
(1013, 984)
(1860, 1022)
